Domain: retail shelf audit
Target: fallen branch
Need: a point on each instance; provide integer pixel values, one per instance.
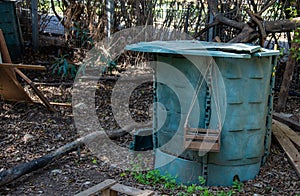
(115, 134)
(24, 168)
(248, 31)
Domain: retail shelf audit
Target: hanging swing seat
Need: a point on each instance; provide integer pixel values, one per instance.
(202, 139)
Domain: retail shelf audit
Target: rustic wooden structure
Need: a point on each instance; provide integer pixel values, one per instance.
(110, 187)
(289, 141)
(202, 139)
(289, 122)
(10, 88)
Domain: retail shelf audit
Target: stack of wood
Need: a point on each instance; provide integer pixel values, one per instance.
(289, 141)
(110, 187)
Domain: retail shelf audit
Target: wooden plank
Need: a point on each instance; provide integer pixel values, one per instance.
(10, 88)
(288, 147)
(61, 104)
(57, 104)
(291, 123)
(23, 66)
(98, 188)
(202, 137)
(35, 89)
(201, 130)
(3, 48)
(130, 190)
(203, 146)
(294, 137)
(146, 193)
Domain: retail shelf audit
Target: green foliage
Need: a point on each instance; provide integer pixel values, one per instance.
(154, 177)
(295, 50)
(201, 180)
(43, 6)
(275, 12)
(292, 11)
(123, 174)
(237, 185)
(229, 193)
(94, 160)
(112, 65)
(62, 67)
(82, 35)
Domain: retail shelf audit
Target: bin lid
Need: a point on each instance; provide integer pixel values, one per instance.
(201, 48)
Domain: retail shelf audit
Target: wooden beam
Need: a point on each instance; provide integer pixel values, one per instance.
(110, 187)
(35, 89)
(98, 188)
(291, 134)
(34, 24)
(127, 190)
(5, 54)
(10, 88)
(287, 145)
(69, 105)
(291, 123)
(32, 67)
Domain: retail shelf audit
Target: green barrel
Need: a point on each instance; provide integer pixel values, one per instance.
(235, 96)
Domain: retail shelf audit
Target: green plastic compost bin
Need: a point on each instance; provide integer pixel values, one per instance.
(211, 86)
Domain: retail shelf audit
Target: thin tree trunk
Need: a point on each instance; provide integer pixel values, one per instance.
(287, 78)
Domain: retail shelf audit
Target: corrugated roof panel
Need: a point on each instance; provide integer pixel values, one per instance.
(199, 48)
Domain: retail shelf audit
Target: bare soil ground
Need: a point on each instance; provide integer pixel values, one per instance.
(28, 131)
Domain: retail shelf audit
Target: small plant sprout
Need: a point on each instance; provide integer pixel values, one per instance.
(237, 185)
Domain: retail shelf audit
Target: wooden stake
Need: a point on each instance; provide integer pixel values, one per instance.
(35, 89)
(32, 67)
(10, 88)
(10, 82)
(291, 123)
(287, 77)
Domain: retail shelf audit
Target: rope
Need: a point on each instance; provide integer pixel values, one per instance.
(214, 94)
(199, 84)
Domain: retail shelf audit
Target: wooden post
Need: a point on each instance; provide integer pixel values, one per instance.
(110, 6)
(10, 88)
(186, 24)
(35, 24)
(287, 79)
(211, 31)
(284, 135)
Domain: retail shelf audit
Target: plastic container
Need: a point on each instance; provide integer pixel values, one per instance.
(245, 101)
